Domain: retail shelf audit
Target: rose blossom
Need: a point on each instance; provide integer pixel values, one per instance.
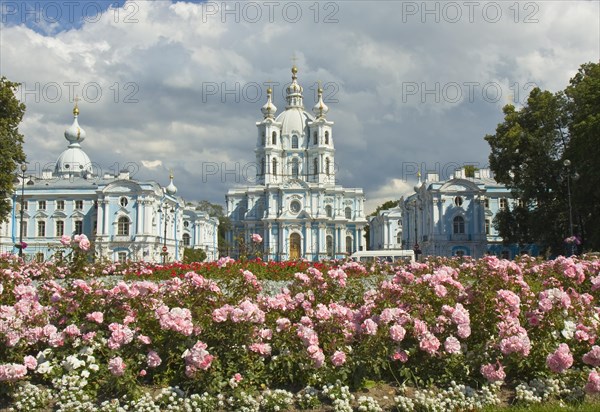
(593, 356)
(593, 384)
(256, 238)
(492, 374)
(153, 359)
(561, 359)
(116, 366)
(452, 345)
(338, 358)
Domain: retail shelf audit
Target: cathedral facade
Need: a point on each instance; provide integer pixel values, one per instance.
(296, 206)
(126, 219)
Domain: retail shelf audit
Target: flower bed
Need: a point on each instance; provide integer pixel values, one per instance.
(214, 339)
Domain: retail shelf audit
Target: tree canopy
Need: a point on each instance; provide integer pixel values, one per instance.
(528, 153)
(11, 141)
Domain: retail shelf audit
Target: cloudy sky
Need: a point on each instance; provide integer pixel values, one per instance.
(179, 85)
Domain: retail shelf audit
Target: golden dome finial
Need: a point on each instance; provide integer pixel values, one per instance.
(319, 88)
(294, 68)
(171, 174)
(76, 108)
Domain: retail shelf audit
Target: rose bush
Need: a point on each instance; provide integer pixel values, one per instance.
(444, 321)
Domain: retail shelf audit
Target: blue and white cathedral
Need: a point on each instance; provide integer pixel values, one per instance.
(296, 205)
(126, 219)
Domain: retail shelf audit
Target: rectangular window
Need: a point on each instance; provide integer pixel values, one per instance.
(78, 227)
(521, 203)
(486, 203)
(60, 228)
(487, 226)
(122, 257)
(503, 203)
(24, 229)
(25, 207)
(42, 205)
(79, 204)
(60, 205)
(39, 257)
(41, 229)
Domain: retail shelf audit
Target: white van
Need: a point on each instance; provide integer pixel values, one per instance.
(368, 256)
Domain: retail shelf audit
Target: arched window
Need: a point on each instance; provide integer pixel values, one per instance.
(123, 226)
(399, 238)
(329, 244)
(459, 225)
(348, 213)
(349, 248)
(274, 138)
(316, 166)
(186, 239)
(274, 166)
(294, 142)
(262, 166)
(329, 211)
(294, 167)
(326, 137)
(327, 165)
(264, 139)
(315, 141)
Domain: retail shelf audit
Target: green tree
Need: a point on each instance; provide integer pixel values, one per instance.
(528, 152)
(583, 106)
(215, 210)
(11, 141)
(193, 255)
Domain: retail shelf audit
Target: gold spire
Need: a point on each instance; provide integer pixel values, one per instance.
(76, 108)
(294, 68)
(171, 174)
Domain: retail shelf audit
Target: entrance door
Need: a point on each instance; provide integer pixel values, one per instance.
(295, 249)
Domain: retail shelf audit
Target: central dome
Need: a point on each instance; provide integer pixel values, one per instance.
(294, 120)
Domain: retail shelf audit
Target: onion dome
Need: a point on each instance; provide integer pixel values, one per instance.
(74, 133)
(294, 91)
(320, 109)
(269, 108)
(74, 161)
(171, 189)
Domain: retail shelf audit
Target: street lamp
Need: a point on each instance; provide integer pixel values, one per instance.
(22, 211)
(567, 164)
(416, 247)
(164, 252)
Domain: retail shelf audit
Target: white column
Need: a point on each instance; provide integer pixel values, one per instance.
(106, 217)
(99, 219)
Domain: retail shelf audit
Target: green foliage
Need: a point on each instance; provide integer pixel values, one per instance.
(11, 141)
(193, 255)
(528, 152)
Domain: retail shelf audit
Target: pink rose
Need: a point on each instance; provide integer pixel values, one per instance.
(256, 238)
(561, 359)
(338, 358)
(65, 240)
(492, 374)
(116, 366)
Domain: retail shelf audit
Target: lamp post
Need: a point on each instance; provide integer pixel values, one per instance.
(22, 211)
(164, 252)
(567, 164)
(416, 247)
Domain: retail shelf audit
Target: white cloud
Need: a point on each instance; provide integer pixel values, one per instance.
(155, 73)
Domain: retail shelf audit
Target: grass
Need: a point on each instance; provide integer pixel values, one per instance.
(548, 407)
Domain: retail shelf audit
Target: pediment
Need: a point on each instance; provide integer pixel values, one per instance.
(40, 215)
(122, 186)
(295, 184)
(459, 185)
(61, 215)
